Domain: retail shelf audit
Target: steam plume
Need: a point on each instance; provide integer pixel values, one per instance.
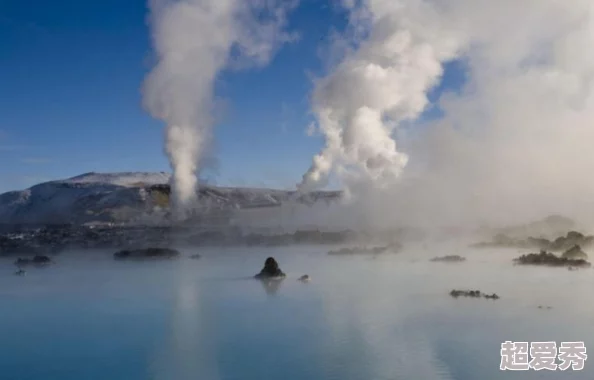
(376, 87)
(194, 40)
(514, 143)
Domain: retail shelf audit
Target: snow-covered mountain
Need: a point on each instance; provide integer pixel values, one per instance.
(130, 179)
(127, 197)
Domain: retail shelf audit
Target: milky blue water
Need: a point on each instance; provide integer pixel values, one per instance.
(360, 318)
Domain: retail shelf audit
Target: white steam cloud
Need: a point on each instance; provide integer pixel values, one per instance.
(515, 142)
(194, 40)
(381, 84)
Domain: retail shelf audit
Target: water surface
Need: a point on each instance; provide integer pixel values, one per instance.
(362, 317)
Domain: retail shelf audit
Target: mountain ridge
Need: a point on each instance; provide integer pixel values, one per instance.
(129, 197)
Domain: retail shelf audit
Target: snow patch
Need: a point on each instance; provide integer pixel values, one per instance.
(127, 179)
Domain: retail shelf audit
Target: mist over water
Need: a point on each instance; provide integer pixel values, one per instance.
(388, 316)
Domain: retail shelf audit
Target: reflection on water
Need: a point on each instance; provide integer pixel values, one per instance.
(271, 287)
(188, 351)
(388, 318)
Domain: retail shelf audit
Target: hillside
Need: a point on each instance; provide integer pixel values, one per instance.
(128, 197)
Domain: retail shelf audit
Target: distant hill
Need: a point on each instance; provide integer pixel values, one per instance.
(550, 227)
(129, 197)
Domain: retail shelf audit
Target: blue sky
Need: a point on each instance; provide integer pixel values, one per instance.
(70, 78)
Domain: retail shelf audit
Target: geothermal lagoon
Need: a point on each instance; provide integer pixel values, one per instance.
(384, 316)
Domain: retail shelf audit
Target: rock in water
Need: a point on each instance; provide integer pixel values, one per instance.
(473, 294)
(41, 260)
(493, 296)
(366, 250)
(38, 260)
(304, 278)
(562, 243)
(449, 259)
(465, 293)
(195, 256)
(22, 262)
(549, 259)
(572, 239)
(575, 253)
(20, 272)
(146, 253)
(270, 270)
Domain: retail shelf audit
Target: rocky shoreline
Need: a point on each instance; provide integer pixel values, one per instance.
(561, 243)
(448, 259)
(50, 240)
(545, 258)
(345, 251)
(147, 253)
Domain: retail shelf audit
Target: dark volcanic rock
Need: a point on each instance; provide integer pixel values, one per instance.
(270, 270)
(553, 225)
(20, 272)
(8, 245)
(504, 241)
(491, 296)
(146, 253)
(465, 293)
(21, 262)
(365, 250)
(575, 253)
(195, 256)
(25, 240)
(38, 260)
(323, 237)
(473, 294)
(549, 259)
(562, 243)
(41, 260)
(572, 239)
(449, 259)
(268, 240)
(51, 240)
(304, 278)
